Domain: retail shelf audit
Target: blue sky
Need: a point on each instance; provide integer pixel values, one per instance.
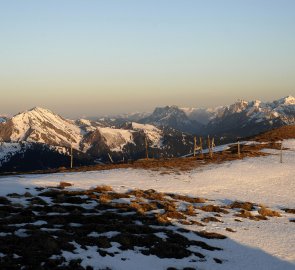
(94, 57)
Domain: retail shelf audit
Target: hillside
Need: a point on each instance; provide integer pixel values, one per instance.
(225, 216)
(278, 134)
(249, 147)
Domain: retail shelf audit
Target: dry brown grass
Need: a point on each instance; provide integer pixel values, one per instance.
(174, 215)
(243, 205)
(190, 210)
(143, 207)
(245, 214)
(210, 235)
(186, 198)
(210, 219)
(266, 212)
(289, 210)
(213, 208)
(162, 219)
(64, 184)
(285, 132)
(102, 188)
(105, 198)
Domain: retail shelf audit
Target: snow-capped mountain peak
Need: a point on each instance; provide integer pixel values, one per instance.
(42, 125)
(288, 100)
(238, 106)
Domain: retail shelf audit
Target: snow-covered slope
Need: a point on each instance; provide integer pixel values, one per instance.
(94, 139)
(154, 134)
(259, 245)
(116, 139)
(42, 125)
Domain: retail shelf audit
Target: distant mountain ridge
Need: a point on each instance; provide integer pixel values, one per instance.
(91, 140)
(169, 132)
(241, 118)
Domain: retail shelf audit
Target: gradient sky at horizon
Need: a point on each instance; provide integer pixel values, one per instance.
(95, 57)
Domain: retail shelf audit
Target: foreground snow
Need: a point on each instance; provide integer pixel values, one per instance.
(255, 245)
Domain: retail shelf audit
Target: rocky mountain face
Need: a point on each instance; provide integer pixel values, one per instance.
(37, 134)
(172, 116)
(249, 118)
(240, 119)
(39, 130)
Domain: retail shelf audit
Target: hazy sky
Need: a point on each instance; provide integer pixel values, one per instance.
(92, 57)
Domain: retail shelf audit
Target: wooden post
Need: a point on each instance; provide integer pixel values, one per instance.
(209, 146)
(212, 146)
(195, 145)
(146, 148)
(71, 156)
(110, 157)
(281, 153)
(201, 146)
(239, 150)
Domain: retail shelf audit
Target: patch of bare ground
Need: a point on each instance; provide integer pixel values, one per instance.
(210, 219)
(243, 205)
(213, 208)
(289, 210)
(210, 235)
(186, 198)
(281, 133)
(64, 185)
(102, 188)
(268, 212)
(230, 230)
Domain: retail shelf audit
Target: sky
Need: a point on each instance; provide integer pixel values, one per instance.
(96, 57)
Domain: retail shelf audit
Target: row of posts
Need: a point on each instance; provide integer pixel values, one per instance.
(210, 145)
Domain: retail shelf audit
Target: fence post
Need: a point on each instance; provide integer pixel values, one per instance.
(281, 153)
(195, 145)
(201, 146)
(71, 156)
(209, 146)
(146, 148)
(110, 157)
(212, 146)
(239, 150)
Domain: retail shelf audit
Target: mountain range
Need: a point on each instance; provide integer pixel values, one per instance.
(39, 138)
(38, 130)
(239, 119)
